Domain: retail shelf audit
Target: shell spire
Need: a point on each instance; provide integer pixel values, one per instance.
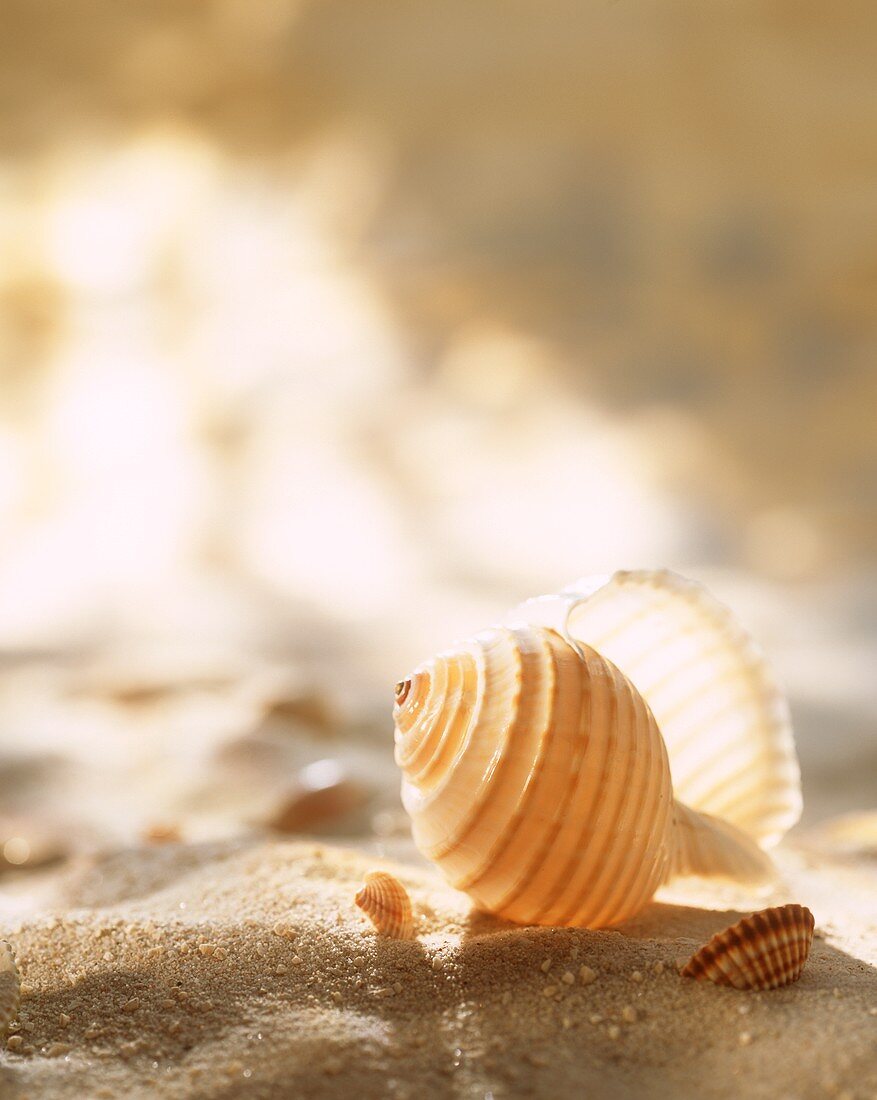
(539, 778)
(385, 900)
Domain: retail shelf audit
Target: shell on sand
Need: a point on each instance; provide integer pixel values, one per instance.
(763, 951)
(385, 900)
(715, 699)
(538, 782)
(10, 987)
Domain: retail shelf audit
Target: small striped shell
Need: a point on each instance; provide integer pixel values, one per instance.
(717, 704)
(10, 987)
(764, 951)
(385, 900)
(536, 779)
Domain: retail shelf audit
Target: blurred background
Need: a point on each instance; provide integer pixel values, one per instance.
(329, 330)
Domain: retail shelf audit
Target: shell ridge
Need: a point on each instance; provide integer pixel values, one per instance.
(421, 760)
(510, 704)
(439, 787)
(586, 854)
(539, 863)
(578, 787)
(560, 900)
(421, 733)
(605, 808)
(477, 801)
(641, 780)
(552, 825)
(760, 961)
(655, 815)
(474, 876)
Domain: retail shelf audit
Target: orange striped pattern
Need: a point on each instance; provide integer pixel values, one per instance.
(536, 779)
(385, 901)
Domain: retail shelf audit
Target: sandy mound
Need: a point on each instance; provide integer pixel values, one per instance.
(244, 969)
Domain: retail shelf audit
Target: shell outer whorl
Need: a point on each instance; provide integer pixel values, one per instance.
(537, 780)
(766, 950)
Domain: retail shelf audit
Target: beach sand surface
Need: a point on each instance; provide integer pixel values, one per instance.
(243, 968)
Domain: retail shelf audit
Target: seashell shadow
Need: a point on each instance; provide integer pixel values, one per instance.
(659, 923)
(661, 932)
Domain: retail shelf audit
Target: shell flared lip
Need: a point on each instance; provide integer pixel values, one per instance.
(403, 687)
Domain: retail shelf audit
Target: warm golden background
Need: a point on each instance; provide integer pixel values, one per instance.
(330, 329)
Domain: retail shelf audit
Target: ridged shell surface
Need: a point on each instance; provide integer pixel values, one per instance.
(385, 901)
(716, 702)
(535, 778)
(10, 987)
(764, 951)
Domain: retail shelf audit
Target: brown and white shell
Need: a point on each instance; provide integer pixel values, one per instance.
(10, 987)
(538, 782)
(763, 951)
(386, 902)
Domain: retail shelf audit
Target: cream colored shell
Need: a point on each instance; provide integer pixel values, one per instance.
(716, 701)
(763, 951)
(10, 987)
(385, 900)
(536, 779)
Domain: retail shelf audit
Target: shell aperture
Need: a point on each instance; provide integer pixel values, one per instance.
(538, 781)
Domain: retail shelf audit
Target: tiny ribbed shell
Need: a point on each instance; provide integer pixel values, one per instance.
(717, 704)
(10, 987)
(385, 901)
(536, 779)
(764, 951)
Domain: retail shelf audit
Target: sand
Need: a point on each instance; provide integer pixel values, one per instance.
(243, 968)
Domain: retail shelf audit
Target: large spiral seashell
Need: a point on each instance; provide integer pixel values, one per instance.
(10, 987)
(538, 781)
(764, 951)
(385, 901)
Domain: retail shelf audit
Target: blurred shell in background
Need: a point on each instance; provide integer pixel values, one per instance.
(32, 842)
(323, 795)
